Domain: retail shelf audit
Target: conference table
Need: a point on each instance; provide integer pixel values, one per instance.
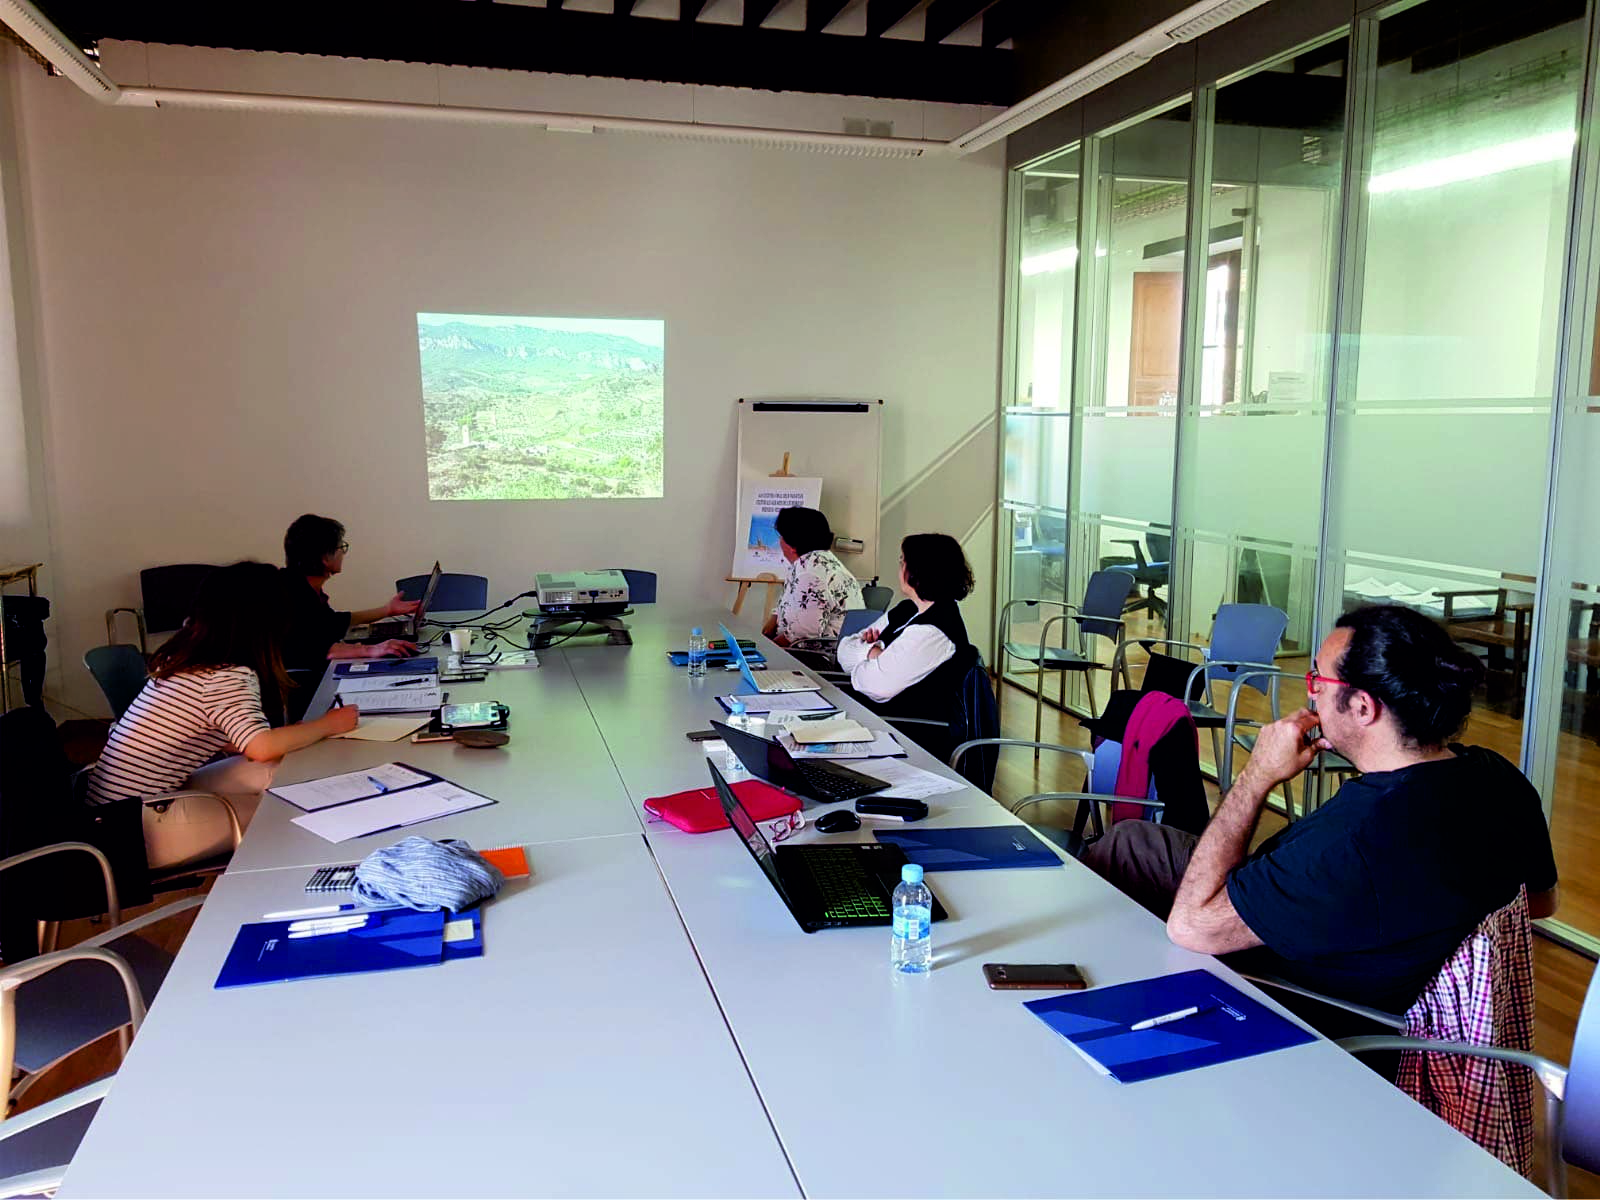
(648, 1020)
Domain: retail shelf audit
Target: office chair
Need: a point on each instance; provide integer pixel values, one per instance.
(1328, 762)
(875, 596)
(641, 585)
(455, 593)
(974, 716)
(1100, 615)
(166, 595)
(1149, 574)
(121, 673)
(37, 1146)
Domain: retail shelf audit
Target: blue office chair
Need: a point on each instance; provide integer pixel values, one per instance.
(857, 619)
(1099, 790)
(641, 585)
(1100, 615)
(455, 593)
(121, 673)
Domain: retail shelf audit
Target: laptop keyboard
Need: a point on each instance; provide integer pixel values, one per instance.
(844, 887)
(834, 788)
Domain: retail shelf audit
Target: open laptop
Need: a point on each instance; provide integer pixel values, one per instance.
(820, 780)
(846, 883)
(822, 654)
(771, 680)
(405, 628)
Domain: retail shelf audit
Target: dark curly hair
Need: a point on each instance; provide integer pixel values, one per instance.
(1410, 664)
(805, 529)
(936, 568)
(309, 540)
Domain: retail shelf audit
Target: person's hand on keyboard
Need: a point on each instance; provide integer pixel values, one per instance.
(393, 648)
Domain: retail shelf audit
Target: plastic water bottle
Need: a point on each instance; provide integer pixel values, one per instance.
(911, 950)
(697, 653)
(733, 767)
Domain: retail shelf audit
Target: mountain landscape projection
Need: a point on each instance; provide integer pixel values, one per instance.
(541, 408)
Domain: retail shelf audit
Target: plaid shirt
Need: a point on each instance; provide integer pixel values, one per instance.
(1483, 996)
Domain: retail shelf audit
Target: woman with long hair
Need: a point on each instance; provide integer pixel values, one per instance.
(210, 720)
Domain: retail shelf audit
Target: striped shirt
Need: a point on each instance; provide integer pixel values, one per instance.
(176, 726)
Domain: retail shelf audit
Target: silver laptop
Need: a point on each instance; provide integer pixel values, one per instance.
(769, 680)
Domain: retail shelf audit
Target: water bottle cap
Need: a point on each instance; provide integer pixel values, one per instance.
(911, 873)
(737, 708)
(696, 631)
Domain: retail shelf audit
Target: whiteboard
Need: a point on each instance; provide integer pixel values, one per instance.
(836, 440)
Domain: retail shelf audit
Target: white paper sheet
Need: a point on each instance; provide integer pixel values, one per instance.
(396, 699)
(774, 701)
(346, 821)
(911, 782)
(883, 745)
(350, 685)
(341, 789)
(829, 729)
(384, 729)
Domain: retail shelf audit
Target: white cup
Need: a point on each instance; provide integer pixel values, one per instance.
(461, 640)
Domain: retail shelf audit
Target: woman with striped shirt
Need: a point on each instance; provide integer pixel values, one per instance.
(201, 723)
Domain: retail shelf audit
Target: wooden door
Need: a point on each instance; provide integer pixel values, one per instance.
(1155, 338)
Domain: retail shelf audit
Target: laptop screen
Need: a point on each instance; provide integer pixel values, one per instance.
(427, 599)
(736, 651)
(765, 758)
(749, 832)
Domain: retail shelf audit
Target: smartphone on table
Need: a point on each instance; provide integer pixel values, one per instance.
(1055, 977)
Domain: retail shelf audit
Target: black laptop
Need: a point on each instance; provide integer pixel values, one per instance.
(846, 883)
(405, 628)
(822, 780)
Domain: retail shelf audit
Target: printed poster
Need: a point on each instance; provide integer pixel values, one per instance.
(756, 538)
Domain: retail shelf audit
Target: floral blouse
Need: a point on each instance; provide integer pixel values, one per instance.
(816, 592)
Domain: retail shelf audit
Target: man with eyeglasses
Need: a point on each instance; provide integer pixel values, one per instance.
(314, 548)
(1367, 897)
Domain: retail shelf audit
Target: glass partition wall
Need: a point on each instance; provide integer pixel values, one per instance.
(1326, 333)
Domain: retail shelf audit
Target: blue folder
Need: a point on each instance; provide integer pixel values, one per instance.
(1229, 1025)
(391, 939)
(978, 849)
(387, 666)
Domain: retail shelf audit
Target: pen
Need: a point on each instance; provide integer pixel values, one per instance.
(311, 933)
(1166, 1018)
(291, 913)
(338, 700)
(406, 682)
(354, 921)
(378, 783)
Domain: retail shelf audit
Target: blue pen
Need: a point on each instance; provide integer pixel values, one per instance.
(378, 783)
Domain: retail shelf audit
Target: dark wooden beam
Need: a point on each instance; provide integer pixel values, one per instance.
(757, 11)
(944, 17)
(820, 12)
(1000, 21)
(688, 10)
(884, 15)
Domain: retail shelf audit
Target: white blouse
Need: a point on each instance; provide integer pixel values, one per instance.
(912, 657)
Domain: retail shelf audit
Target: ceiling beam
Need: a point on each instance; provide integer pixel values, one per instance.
(944, 17)
(820, 13)
(999, 21)
(884, 15)
(757, 11)
(564, 41)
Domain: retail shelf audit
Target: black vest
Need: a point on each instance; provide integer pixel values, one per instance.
(937, 695)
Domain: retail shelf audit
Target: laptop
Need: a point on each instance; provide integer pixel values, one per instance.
(405, 628)
(822, 654)
(820, 780)
(767, 681)
(846, 883)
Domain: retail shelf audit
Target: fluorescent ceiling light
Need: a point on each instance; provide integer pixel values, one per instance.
(1056, 260)
(1475, 164)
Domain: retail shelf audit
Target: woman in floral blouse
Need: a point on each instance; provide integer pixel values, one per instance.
(818, 587)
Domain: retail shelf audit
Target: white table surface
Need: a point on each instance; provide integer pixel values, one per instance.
(589, 1051)
(582, 1055)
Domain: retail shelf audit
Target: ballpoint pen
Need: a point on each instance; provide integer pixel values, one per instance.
(406, 682)
(378, 783)
(1167, 1018)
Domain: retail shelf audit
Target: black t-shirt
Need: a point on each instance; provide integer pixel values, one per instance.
(1366, 898)
(311, 625)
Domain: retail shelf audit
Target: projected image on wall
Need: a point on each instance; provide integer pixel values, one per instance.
(541, 408)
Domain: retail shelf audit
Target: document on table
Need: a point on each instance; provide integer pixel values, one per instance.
(352, 684)
(883, 745)
(777, 701)
(353, 785)
(911, 782)
(393, 811)
(384, 729)
(396, 699)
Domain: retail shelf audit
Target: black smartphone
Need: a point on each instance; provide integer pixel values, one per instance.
(702, 735)
(1055, 977)
(483, 714)
(892, 806)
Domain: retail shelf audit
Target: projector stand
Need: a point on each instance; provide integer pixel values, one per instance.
(543, 630)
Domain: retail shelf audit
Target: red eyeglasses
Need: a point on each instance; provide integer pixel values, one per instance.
(1314, 681)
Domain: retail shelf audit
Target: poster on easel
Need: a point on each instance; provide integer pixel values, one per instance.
(759, 504)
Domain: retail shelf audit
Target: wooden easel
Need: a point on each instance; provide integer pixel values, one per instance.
(774, 584)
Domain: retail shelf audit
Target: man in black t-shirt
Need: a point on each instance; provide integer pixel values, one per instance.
(314, 550)
(1367, 897)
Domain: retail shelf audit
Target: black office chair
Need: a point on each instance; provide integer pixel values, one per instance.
(121, 673)
(974, 716)
(455, 593)
(166, 595)
(1150, 574)
(875, 596)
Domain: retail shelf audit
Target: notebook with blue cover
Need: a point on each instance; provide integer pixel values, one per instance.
(387, 666)
(264, 953)
(977, 849)
(1229, 1025)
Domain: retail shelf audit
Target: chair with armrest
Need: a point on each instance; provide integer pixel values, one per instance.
(165, 596)
(974, 716)
(455, 593)
(120, 671)
(1328, 762)
(1100, 615)
(1149, 573)
(37, 1146)
(54, 1004)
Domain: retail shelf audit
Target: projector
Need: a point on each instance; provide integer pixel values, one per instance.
(581, 593)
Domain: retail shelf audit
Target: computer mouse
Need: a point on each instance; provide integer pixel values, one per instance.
(839, 821)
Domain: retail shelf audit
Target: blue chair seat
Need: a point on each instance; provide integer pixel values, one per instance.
(1056, 658)
(455, 593)
(81, 1001)
(46, 1146)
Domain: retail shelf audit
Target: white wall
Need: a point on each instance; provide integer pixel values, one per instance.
(227, 308)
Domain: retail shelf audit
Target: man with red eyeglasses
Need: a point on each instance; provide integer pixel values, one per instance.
(1368, 896)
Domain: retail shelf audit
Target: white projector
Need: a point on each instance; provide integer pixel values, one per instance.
(585, 593)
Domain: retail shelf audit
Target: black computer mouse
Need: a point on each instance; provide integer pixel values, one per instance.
(839, 821)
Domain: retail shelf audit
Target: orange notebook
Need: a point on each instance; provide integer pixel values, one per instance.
(511, 861)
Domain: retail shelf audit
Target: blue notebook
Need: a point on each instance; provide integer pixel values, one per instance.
(387, 666)
(977, 849)
(1229, 1025)
(391, 939)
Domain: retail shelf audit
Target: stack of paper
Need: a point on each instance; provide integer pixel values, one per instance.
(882, 745)
(392, 691)
(830, 729)
(777, 701)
